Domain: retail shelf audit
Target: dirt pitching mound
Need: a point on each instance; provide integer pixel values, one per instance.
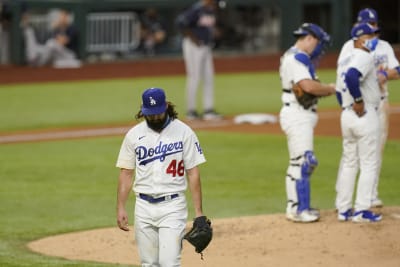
(265, 240)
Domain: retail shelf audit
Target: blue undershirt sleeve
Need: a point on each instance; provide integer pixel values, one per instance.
(352, 80)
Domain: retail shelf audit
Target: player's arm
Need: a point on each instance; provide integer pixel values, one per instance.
(311, 86)
(352, 80)
(317, 88)
(124, 188)
(392, 74)
(193, 175)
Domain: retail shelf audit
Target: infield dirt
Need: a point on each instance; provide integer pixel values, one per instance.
(264, 240)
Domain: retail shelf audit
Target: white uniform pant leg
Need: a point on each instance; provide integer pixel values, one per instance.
(172, 230)
(146, 234)
(159, 229)
(208, 78)
(348, 166)
(383, 115)
(192, 57)
(367, 151)
(298, 125)
(36, 53)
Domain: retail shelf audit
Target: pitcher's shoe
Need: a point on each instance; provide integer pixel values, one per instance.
(192, 115)
(211, 115)
(305, 216)
(345, 216)
(377, 203)
(366, 216)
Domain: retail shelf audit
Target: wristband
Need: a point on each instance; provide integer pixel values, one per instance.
(384, 73)
(358, 100)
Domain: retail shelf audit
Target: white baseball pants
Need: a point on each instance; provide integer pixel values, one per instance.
(199, 68)
(298, 125)
(159, 230)
(359, 152)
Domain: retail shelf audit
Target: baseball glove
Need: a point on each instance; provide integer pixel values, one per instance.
(201, 234)
(305, 99)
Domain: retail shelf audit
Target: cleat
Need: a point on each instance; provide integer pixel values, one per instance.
(377, 203)
(365, 216)
(305, 216)
(345, 216)
(211, 115)
(192, 115)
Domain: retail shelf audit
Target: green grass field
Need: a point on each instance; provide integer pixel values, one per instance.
(55, 187)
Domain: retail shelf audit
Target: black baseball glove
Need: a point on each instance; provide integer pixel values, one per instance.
(201, 233)
(305, 99)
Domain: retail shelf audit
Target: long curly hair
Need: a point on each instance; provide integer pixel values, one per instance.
(170, 111)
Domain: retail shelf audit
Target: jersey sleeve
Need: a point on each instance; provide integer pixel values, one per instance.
(301, 68)
(362, 61)
(127, 156)
(392, 60)
(193, 153)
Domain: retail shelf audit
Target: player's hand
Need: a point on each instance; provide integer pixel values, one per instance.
(331, 89)
(122, 220)
(359, 109)
(382, 79)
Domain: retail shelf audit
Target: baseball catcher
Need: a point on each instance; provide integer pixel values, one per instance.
(200, 235)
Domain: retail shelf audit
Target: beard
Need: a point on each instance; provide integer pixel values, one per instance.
(158, 125)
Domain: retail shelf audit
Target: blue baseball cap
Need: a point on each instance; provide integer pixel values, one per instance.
(153, 101)
(367, 15)
(361, 29)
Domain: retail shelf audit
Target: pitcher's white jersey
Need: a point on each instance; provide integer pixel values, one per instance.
(160, 159)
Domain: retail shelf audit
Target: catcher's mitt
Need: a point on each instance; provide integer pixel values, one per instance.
(201, 234)
(305, 99)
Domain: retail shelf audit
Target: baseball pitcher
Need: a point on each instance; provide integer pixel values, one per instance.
(162, 154)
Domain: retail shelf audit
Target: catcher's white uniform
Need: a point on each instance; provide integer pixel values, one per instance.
(360, 134)
(384, 58)
(297, 123)
(160, 161)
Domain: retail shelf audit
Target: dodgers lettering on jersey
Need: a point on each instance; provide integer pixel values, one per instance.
(160, 152)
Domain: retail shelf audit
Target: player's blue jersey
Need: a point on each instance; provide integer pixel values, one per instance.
(200, 20)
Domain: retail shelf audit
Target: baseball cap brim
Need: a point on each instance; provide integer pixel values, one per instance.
(154, 110)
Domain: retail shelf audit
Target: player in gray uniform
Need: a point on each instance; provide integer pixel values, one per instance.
(197, 24)
(297, 69)
(358, 93)
(387, 67)
(159, 152)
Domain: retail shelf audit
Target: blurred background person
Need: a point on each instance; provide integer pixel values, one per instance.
(5, 22)
(153, 33)
(60, 50)
(198, 26)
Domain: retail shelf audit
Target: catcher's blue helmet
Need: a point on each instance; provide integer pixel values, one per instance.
(317, 32)
(313, 29)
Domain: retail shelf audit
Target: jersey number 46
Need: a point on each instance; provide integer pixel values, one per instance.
(176, 168)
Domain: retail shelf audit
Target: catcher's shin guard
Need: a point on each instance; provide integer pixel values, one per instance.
(303, 184)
